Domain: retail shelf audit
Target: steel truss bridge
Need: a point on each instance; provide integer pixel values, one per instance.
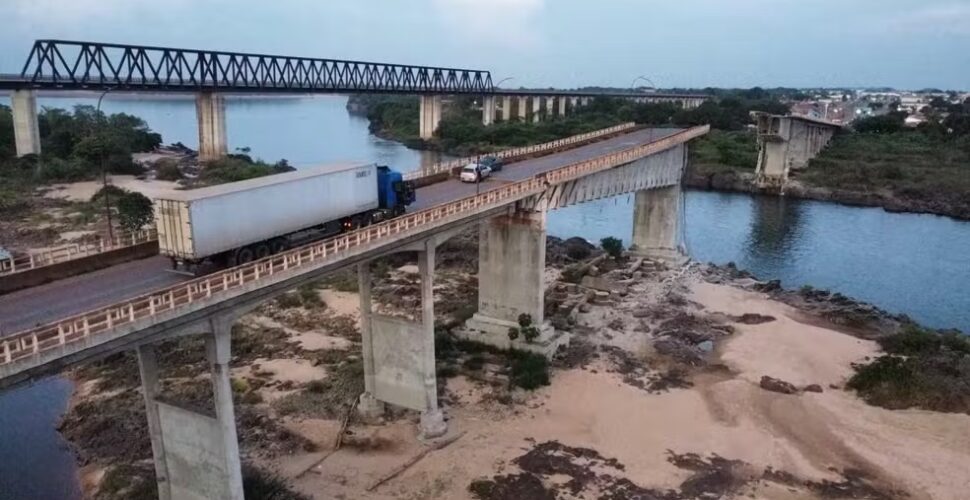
(71, 65)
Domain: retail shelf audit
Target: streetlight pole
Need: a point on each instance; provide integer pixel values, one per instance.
(641, 77)
(104, 171)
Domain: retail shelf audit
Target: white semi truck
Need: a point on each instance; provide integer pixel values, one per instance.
(238, 222)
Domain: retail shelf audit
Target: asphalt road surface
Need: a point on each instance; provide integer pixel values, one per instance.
(45, 303)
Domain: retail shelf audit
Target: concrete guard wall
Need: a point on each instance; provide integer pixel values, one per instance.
(194, 454)
(68, 268)
(398, 377)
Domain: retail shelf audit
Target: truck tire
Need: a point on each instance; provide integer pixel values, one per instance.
(278, 246)
(244, 255)
(262, 250)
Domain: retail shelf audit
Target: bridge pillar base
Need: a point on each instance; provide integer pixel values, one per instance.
(536, 109)
(562, 105)
(523, 108)
(210, 109)
(511, 271)
(506, 108)
(429, 116)
(656, 224)
(433, 424)
(26, 130)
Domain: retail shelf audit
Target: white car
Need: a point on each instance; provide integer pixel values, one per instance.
(472, 171)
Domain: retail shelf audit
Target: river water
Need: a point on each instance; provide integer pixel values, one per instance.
(913, 264)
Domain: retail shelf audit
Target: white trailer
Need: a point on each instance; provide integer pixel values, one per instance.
(242, 221)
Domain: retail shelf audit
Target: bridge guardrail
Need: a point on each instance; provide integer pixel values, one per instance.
(64, 253)
(83, 326)
(521, 151)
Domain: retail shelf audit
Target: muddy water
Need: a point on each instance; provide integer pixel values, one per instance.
(914, 264)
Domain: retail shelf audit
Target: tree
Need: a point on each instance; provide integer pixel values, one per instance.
(134, 211)
(612, 246)
(885, 124)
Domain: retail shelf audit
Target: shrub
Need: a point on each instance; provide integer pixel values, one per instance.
(612, 246)
(167, 169)
(922, 369)
(135, 211)
(528, 370)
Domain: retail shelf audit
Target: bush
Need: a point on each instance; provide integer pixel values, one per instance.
(135, 211)
(528, 370)
(167, 169)
(612, 246)
(921, 368)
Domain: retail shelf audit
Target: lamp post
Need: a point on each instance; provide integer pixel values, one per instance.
(641, 77)
(104, 171)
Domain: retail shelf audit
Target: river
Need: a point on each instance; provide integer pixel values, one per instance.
(913, 264)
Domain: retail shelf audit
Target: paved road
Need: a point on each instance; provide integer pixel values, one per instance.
(42, 304)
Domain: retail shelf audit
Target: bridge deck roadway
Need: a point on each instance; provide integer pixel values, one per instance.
(42, 304)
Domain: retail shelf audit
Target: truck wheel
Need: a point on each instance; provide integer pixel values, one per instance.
(262, 250)
(245, 255)
(277, 246)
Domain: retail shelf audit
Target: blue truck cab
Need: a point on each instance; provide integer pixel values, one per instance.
(393, 192)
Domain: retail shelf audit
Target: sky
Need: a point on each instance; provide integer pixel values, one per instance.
(906, 44)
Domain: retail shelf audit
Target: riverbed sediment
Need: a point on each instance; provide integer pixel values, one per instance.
(659, 395)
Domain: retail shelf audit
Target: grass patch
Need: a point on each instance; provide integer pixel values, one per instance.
(921, 369)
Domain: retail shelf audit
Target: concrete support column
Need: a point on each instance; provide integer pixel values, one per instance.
(511, 269)
(25, 127)
(217, 350)
(573, 103)
(536, 106)
(562, 105)
(506, 108)
(430, 115)
(584, 101)
(369, 406)
(432, 419)
(210, 109)
(656, 224)
(488, 110)
(523, 108)
(549, 106)
(148, 369)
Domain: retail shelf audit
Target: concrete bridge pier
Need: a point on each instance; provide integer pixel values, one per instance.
(26, 130)
(523, 108)
(399, 355)
(511, 269)
(562, 105)
(430, 115)
(488, 110)
(506, 108)
(656, 224)
(195, 455)
(210, 109)
(549, 106)
(536, 109)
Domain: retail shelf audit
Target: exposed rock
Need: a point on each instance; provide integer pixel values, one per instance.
(813, 388)
(776, 385)
(706, 346)
(752, 319)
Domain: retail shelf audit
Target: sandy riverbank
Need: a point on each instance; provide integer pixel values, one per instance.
(658, 396)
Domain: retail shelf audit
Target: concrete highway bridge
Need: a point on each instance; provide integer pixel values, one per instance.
(135, 306)
(210, 75)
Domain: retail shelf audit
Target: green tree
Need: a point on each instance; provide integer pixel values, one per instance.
(134, 211)
(612, 246)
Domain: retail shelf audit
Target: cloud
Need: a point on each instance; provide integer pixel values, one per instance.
(502, 23)
(951, 19)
